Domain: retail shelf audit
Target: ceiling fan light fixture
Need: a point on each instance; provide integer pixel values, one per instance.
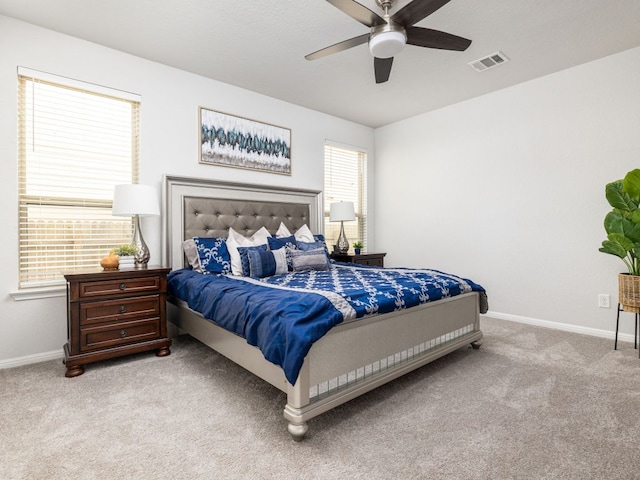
(387, 44)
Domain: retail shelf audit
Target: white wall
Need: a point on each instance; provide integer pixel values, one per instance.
(508, 189)
(33, 329)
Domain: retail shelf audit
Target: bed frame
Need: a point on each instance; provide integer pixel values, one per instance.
(354, 357)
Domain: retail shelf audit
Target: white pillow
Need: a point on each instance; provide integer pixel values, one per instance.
(283, 231)
(235, 240)
(303, 234)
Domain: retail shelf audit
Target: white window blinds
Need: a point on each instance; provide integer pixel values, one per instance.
(345, 179)
(76, 142)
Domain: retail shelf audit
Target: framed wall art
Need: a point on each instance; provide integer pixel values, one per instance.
(240, 142)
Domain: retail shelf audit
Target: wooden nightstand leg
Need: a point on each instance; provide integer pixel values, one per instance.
(74, 371)
(163, 352)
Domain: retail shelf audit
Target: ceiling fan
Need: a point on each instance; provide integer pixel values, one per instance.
(390, 33)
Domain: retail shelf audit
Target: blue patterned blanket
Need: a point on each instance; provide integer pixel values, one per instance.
(285, 314)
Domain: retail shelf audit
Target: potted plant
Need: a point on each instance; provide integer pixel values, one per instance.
(126, 254)
(622, 225)
(357, 247)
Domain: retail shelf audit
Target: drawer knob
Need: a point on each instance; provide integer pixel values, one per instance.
(123, 333)
(122, 286)
(123, 309)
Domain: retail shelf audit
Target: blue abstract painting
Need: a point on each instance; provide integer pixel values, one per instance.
(239, 142)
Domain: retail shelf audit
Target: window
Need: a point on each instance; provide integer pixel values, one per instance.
(345, 179)
(76, 142)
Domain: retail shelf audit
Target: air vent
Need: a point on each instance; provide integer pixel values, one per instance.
(489, 61)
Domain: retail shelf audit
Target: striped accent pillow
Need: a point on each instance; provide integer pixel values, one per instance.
(244, 257)
(315, 259)
(265, 263)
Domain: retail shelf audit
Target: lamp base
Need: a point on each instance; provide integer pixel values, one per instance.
(142, 255)
(342, 244)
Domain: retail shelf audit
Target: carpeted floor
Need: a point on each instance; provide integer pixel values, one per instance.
(532, 403)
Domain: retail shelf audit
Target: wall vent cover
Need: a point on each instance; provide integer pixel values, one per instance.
(489, 61)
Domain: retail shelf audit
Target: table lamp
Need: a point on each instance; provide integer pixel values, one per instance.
(342, 212)
(135, 200)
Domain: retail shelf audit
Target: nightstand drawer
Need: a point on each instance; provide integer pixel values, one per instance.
(372, 262)
(110, 311)
(124, 286)
(112, 335)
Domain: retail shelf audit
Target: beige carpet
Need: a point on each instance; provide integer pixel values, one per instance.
(532, 403)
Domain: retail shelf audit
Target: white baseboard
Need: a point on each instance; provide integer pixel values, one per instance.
(567, 327)
(29, 359)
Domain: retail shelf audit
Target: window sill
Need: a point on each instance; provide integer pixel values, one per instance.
(39, 293)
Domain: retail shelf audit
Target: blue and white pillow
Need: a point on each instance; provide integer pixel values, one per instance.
(208, 255)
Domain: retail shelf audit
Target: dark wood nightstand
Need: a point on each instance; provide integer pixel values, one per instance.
(111, 313)
(371, 259)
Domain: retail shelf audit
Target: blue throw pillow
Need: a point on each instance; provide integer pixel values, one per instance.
(244, 258)
(213, 255)
(266, 263)
(319, 243)
(276, 243)
(304, 246)
(262, 263)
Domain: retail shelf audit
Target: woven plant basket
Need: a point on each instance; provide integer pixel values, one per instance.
(629, 292)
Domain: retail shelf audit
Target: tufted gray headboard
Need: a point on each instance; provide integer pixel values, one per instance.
(207, 208)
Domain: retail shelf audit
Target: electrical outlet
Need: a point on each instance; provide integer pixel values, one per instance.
(603, 300)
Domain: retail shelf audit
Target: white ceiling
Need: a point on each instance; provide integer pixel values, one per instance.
(260, 45)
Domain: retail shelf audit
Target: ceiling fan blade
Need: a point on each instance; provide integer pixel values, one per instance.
(415, 11)
(339, 47)
(358, 12)
(425, 37)
(382, 68)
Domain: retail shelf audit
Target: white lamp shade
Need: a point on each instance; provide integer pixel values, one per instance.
(341, 212)
(387, 44)
(135, 199)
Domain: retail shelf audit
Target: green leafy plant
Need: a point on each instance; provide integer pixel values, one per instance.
(125, 250)
(622, 224)
(357, 245)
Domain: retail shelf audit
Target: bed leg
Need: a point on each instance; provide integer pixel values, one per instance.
(476, 345)
(298, 432)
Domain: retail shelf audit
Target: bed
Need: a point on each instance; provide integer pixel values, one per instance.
(352, 357)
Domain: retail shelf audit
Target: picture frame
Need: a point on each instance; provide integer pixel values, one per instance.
(233, 141)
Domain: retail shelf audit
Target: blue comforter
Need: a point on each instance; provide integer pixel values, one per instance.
(284, 315)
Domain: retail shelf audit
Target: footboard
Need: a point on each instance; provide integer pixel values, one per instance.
(353, 358)
(356, 357)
